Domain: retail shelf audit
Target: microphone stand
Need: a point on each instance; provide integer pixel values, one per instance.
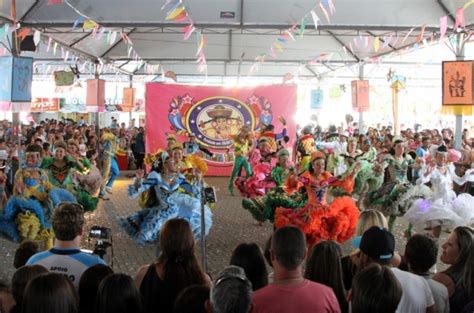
(203, 228)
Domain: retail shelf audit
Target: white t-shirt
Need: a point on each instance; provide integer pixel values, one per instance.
(416, 295)
(440, 295)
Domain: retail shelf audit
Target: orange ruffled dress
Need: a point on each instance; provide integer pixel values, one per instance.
(318, 220)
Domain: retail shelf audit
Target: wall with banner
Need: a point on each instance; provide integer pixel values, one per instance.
(214, 115)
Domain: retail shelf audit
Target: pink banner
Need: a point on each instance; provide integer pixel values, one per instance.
(214, 115)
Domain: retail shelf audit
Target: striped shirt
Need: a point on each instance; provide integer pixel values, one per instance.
(71, 263)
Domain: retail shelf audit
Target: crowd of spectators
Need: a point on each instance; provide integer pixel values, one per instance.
(373, 278)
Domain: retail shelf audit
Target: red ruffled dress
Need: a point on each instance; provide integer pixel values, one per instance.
(318, 220)
(260, 182)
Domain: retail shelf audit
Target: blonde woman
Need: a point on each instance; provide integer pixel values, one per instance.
(367, 219)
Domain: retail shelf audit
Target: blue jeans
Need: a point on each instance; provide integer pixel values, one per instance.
(114, 172)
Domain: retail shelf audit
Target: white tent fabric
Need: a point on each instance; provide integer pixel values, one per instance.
(232, 45)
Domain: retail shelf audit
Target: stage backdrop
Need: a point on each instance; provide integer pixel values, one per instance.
(214, 114)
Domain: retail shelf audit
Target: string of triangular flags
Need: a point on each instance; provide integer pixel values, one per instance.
(57, 49)
(177, 12)
(368, 44)
(326, 7)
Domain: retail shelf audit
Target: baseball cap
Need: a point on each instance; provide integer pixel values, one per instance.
(378, 243)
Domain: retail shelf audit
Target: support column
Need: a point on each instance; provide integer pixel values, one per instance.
(15, 51)
(130, 84)
(97, 128)
(459, 117)
(361, 114)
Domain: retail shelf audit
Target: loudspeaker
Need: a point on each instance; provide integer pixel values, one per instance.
(28, 44)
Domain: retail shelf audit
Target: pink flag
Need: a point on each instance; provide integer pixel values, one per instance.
(443, 25)
(188, 30)
(460, 21)
(326, 14)
(407, 35)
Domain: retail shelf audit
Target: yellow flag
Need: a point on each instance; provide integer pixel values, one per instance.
(175, 13)
(89, 24)
(376, 44)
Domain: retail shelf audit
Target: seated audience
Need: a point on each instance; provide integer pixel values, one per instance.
(192, 300)
(25, 250)
(6, 298)
(50, 293)
(231, 292)
(176, 268)
(458, 277)
(66, 258)
(249, 257)
(20, 279)
(374, 290)
(377, 246)
(118, 294)
(290, 291)
(421, 253)
(324, 267)
(89, 285)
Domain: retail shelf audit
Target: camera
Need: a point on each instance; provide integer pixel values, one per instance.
(103, 236)
(210, 195)
(100, 232)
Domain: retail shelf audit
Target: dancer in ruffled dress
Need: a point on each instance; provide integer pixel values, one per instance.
(63, 167)
(170, 198)
(442, 209)
(317, 219)
(263, 208)
(396, 194)
(261, 163)
(28, 213)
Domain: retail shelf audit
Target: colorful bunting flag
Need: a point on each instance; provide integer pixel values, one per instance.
(188, 30)
(3, 31)
(443, 26)
(77, 22)
(460, 21)
(325, 12)
(89, 25)
(332, 8)
(407, 35)
(302, 27)
(376, 44)
(23, 33)
(175, 13)
(37, 37)
(315, 19)
(422, 33)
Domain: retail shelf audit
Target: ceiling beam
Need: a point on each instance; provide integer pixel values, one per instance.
(344, 45)
(281, 26)
(446, 10)
(30, 9)
(80, 39)
(217, 60)
(311, 70)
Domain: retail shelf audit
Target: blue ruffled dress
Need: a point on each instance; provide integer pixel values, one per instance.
(145, 225)
(27, 202)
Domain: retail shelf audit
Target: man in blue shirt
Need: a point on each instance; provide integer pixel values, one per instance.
(66, 258)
